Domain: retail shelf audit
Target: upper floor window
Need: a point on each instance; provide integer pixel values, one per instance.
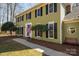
(68, 9)
(51, 8)
(38, 12)
(28, 16)
(17, 19)
(20, 18)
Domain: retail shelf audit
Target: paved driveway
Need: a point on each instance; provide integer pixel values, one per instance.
(47, 51)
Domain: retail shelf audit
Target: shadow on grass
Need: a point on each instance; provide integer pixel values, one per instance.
(7, 44)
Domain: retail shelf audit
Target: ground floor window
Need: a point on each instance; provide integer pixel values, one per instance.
(38, 32)
(20, 30)
(52, 30)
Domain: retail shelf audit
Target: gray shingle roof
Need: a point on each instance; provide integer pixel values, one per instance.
(74, 14)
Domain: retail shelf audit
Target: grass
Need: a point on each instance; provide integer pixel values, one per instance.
(12, 48)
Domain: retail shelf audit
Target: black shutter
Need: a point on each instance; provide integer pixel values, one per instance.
(41, 11)
(26, 16)
(30, 15)
(55, 7)
(55, 30)
(46, 9)
(22, 30)
(22, 17)
(41, 33)
(35, 13)
(18, 19)
(35, 33)
(46, 31)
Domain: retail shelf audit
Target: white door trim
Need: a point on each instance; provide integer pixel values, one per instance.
(26, 30)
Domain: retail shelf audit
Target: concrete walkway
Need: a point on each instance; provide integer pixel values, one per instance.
(47, 51)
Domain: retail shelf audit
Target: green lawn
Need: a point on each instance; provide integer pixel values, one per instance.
(12, 48)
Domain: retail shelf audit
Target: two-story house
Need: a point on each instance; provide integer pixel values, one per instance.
(56, 17)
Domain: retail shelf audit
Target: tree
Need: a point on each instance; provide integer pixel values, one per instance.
(40, 27)
(8, 26)
(8, 11)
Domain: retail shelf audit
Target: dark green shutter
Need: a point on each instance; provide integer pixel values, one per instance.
(26, 16)
(46, 30)
(35, 13)
(46, 9)
(30, 15)
(55, 30)
(55, 7)
(35, 33)
(41, 11)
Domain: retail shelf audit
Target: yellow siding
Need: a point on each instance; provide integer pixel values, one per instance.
(44, 19)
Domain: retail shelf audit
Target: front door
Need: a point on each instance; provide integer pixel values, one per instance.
(28, 30)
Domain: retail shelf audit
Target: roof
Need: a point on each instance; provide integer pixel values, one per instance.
(73, 15)
(30, 9)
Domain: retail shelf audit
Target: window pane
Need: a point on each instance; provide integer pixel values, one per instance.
(38, 32)
(51, 7)
(50, 33)
(28, 16)
(39, 12)
(50, 30)
(51, 26)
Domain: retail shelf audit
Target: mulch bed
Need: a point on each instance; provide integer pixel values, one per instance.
(66, 48)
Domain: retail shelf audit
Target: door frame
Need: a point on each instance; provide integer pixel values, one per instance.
(26, 30)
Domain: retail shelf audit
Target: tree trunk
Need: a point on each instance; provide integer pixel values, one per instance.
(11, 33)
(7, 11)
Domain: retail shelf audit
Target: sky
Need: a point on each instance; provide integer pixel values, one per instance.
(26, 6)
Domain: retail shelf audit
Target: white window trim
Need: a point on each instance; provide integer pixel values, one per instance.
(53, 8)
(53, 29)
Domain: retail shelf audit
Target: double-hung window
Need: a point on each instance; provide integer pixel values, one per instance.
(38, 32)
(38, 12)
(28, 16)
(52, 30)
(16, 19)
(52, 7)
